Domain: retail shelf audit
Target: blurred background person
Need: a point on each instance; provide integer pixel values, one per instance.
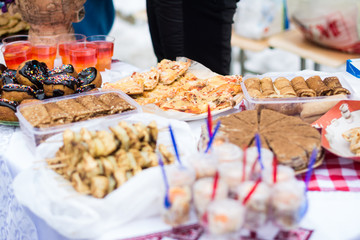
(197, 29)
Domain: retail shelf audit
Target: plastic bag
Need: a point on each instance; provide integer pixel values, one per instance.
(331, 23)
(259, 19)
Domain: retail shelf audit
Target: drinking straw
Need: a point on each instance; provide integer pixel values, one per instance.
(258, 145)
(252, 190)
(213, 194)
(244, 165)
(209, 122)
(174, 144)
(167, 202)
(310, 168)
(213, 136)
(274, 169)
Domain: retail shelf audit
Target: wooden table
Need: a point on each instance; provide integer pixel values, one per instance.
(293, 41)
(247, 44)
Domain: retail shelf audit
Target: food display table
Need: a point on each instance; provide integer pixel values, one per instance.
(333, 198)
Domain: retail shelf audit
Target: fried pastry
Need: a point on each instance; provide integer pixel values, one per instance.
(334, 84)
(267, 87)
(318, 86)
(253, 87)
(301, 88)
(284, 87)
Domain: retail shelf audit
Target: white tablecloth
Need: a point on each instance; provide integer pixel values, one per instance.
(332, 215)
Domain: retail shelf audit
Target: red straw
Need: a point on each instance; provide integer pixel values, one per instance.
(246, 199)
(274, 169)
(209, 119)
(253, 167)
(244, 165)
(216, 179)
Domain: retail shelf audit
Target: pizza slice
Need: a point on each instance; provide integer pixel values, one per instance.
(150, 78)
(128, 85)
(171, 70)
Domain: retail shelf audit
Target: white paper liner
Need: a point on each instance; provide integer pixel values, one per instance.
(74, 215)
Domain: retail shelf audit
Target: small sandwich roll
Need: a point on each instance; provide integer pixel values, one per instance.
(301, 88)
(318, 86)
(253, 87)
(334, 84)
(284, 87)
(267, 87)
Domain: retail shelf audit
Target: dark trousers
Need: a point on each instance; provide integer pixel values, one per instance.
(196, 29)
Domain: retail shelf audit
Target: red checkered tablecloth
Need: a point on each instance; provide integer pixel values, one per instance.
(335, 174)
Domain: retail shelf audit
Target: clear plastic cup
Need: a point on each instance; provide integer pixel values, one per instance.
(287, 201)
(225, 218)
(83, 55)
(105, 47)
(258, 205)
(16, 50)
(283, 174)
(228, 152)
(178, 212)
(204, 165)
(232, 173)
(180, 176)
(253, 163)
(44, 49)
(202, 191)
(65, 42)
(220, 138)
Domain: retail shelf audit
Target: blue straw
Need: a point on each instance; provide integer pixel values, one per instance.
(310, 168)
(213, 136)
(174, 144)
(167, 202)
(258, 144)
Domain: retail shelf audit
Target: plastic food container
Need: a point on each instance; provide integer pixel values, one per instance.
(37, 135)
(308, 109)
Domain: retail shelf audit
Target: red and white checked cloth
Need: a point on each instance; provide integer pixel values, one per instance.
(335, 174)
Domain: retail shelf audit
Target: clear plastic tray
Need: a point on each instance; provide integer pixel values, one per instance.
(35, 135)
(307, 108)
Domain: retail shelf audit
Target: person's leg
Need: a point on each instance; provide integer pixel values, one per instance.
(166, 28)
(207, 25)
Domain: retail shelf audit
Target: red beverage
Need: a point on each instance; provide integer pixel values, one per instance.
(44, 53)
(16, 53)
(105, 53)
(83, 56)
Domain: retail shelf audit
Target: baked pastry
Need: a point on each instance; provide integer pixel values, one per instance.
(17, 92)
(353, 136)
(150, 78)
(318, 86)
(253, 87)
(289, 138)
(85, 88)
(128, 85)
(170, 71)
(334, 84)
(92, 103)
(59, 85)
(301, 88)
(284, 87)
(57, 115)
(267, 87)
(64, 69)
(32, 73)
(89, 75)
(35, 114)
(2, 68)
(7, 110)
(116, 103)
